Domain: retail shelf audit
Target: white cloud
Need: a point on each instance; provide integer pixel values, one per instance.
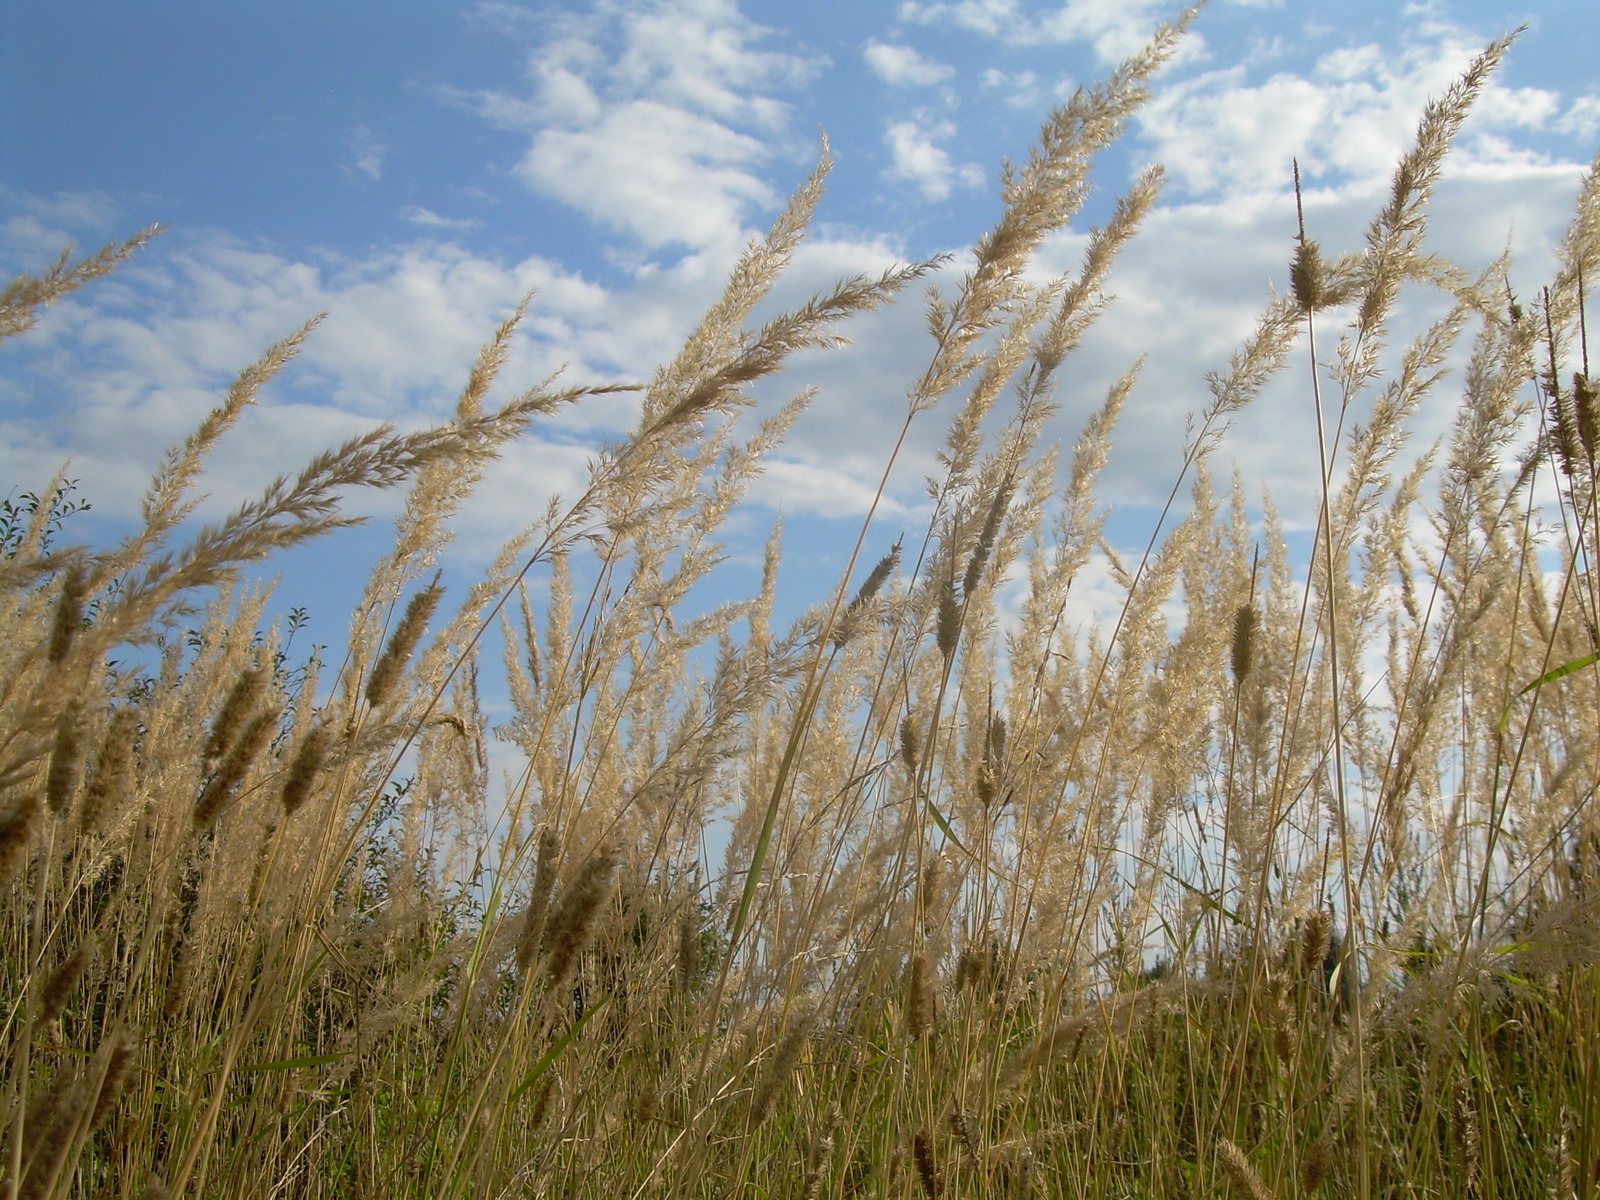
(366, 154)
(1115, 28)
(1582, 118)
(418, 215)
(902, 66)
(917, 159)
(1347, 120)
(655, 119)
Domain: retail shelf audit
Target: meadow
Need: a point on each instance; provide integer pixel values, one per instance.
(1296, 893)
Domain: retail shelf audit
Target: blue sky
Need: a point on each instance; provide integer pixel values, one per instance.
(413, 169)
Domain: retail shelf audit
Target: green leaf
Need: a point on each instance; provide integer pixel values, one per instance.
(1549, 676)
(550, 1055)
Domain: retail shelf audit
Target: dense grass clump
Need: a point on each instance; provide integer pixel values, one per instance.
(1300, 897)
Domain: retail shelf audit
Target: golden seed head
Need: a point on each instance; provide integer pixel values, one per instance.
(69, 611)
(1240, 1173)
(303, 770)
(1242, 652)
(108, 785)
(392, 663)
(1308, 277)
(948, 629)
(919, 995)
(1318, 1164)
(910, 744)
(61, 783)
(243, 699)
(59, 984)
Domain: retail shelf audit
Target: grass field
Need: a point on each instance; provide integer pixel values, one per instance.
(1295, 894)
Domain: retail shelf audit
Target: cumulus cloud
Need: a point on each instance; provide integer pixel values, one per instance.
(655, 120)
(917, 158)
(1347, 119)
(902, 66)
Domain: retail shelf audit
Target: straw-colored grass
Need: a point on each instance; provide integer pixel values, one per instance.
(1007, 908)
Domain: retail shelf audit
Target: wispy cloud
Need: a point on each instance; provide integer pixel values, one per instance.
(902, 66)
(418, 215)
(1115, 28)
(365, 154)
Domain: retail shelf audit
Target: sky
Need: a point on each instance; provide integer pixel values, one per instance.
(413, 169)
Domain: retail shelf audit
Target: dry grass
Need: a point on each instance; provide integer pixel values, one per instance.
(1007, 909)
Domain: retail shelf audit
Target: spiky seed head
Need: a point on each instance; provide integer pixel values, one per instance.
(1468, 1136)
(244, 697)
(69, 611)
(777, 1073)
(1316, 936)
(910, 744)
(574, 920)
(688, 960)
(531, 940)
(58, 986)
(15, 826)
(112, 770)
(1317, 1166)
(1586, 409)
(392, 663)
(1246, 620)
(850, 620)
(1308, 277)
(948, 630)
(1240, 1173)
(119, 1062)
(986, 539)
(304, 768)
(919, 996)
(927, 1169)
(61, 783)
(230, 773)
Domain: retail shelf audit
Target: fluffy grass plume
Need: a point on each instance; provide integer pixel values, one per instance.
(1285, 880)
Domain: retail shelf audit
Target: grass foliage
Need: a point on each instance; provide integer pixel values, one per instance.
(1293, 893)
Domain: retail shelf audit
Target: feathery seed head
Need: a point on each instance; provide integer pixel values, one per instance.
(1308, 277)
(108, 786)
(392, 663)
(69, 610)
(1316, 936)
(15, 825)
(850, 619)
(573, 922)
(242, 700)
(910, 744)
(927, 1169)
(1586, 410)
(230, 773)
(919, 995)
(1242, 652)
(61, 783)
(1240, 1173)
(531, 940)
(948, 630)
(59, 984)
(1317, 1167)
(303, 769)
(119, 1052)
(778, 1072)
